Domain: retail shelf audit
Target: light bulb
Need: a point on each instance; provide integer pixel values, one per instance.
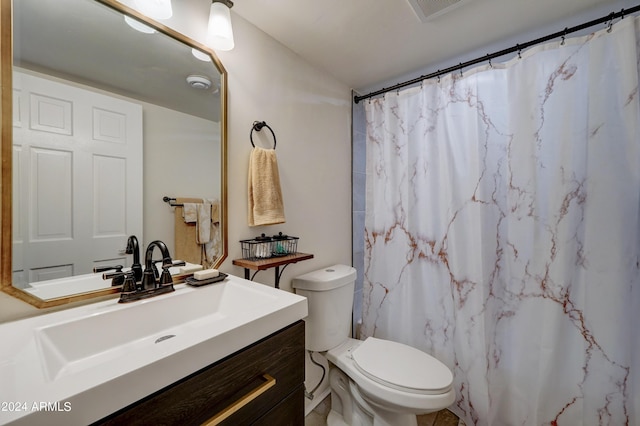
(220, 33)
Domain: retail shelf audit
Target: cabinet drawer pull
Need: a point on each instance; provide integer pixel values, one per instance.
(241, 402)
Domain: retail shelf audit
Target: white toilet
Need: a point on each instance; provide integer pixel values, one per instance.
(373, 382)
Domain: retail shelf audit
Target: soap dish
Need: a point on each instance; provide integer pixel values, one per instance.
(197, 283)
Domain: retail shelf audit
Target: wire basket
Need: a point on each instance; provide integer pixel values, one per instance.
(264, 247)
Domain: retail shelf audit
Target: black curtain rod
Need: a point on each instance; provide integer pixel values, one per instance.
(517, 48)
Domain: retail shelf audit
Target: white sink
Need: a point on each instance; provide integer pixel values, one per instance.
(135, 328)
(101, 357)
(61, 287)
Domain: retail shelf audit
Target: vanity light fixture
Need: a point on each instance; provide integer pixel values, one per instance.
(219, 32)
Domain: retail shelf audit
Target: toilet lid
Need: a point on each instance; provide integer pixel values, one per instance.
(401, 367)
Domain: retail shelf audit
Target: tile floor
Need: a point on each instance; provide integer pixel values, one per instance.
(318, 417)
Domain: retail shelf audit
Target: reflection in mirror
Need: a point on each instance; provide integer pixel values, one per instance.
(107, 120)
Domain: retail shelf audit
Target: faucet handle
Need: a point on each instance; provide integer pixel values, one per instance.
(166, 278)
(98, 269)
(129, 285)
(117, 277)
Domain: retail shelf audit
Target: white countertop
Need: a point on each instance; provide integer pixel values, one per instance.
(33, 393)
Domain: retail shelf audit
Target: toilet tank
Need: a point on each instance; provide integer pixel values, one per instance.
(329, 293)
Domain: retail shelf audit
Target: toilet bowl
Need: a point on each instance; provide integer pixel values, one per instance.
(413, 383)
(373, 382)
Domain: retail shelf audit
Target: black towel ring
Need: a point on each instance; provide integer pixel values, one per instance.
(257, 126)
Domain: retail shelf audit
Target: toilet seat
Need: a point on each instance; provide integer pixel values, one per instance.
(401, 367)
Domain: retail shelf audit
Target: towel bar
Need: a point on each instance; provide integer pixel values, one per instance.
(171, 201)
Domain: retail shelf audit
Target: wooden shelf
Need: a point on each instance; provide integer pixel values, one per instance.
(272, 262)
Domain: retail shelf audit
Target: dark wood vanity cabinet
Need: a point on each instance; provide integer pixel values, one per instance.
(262, 384)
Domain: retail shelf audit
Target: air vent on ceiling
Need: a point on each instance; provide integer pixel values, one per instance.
(427, 10)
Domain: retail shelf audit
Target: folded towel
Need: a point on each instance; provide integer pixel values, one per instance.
(190, 212)
(266, 206)
(203, 223)
(213, 249)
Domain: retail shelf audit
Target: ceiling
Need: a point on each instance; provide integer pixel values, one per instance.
(365, 43)
(74, 40)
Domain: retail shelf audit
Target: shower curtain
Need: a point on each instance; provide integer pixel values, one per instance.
(502, 231)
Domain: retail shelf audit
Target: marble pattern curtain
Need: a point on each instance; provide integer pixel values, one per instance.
(502, 231)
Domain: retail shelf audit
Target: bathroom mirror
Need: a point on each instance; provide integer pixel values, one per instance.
(57, 53)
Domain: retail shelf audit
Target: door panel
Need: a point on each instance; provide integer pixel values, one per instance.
(77, 177)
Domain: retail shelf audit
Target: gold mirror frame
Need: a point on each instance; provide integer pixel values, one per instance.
(6, 134)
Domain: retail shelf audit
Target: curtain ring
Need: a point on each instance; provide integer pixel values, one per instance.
(490, 64)
(460, 65)
(564, 36)
(519, 51)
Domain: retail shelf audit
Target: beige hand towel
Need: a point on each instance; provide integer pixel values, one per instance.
(266, 206)
(186, 247)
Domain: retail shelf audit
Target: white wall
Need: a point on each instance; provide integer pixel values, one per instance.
(310, 114)
(180, 160)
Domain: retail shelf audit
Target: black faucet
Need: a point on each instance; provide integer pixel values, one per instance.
(134, 249)
(148, 286)
(150, 271)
